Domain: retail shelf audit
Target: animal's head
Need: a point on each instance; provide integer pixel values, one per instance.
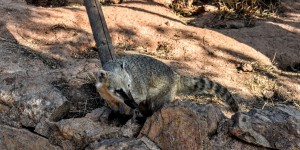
(114, 86)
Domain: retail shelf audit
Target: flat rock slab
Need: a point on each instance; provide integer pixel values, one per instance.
(277, 127)
(77, 133)
(142, 143)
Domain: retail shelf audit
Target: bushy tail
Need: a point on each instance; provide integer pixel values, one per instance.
(197, 86)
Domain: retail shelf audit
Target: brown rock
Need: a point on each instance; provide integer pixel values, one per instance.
(277, 127)
(268, 94)
(79, 132)
(169, 24)
(183, 125)
(203, 21)
(131, 129)
(246, 67)
(3, 108)
(12, 138)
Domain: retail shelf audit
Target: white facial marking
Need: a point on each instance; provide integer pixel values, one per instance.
(99, 85)
(118, 94)
(102, 71)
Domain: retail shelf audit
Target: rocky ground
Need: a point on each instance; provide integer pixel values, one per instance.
(48, 101)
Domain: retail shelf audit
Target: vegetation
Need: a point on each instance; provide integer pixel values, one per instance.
(230, 9)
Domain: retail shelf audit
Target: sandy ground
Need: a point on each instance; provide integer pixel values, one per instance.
(63, 35)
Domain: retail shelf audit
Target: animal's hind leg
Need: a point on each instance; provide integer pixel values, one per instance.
(148, 107)
(167, 98)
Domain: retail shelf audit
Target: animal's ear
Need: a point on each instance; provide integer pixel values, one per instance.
(102, 74)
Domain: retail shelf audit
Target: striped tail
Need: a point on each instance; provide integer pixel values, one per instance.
(198, 86)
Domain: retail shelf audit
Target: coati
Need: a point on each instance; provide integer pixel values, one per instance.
(139, 82)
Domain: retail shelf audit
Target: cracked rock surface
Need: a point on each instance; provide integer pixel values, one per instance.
(277, 127)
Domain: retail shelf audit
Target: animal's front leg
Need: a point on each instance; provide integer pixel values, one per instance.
(138, 117)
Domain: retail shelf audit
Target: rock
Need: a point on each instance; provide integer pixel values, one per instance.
(115, 1)
(104, 114)
(223, 140)
(142, 143)
(277, 127)
(12, 138)
(268, 94)
(183, 125)
(186, 125)
(245, 67)
(100, 114)
(107, 116)
(131, 128)
(44, 128)
(169, 24)
(3, 108)
(10, 116)
(204, 20)
(28, 100)
(235, 24)
(210, 8)
(79, 132)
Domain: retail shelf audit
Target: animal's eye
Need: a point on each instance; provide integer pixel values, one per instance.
(128, 85)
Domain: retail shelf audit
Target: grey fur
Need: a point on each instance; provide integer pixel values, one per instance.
(151, 83)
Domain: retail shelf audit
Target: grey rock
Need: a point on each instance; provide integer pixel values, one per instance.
(100, 114)
(12, 138)
(131, 129)
(223, 139)
(277, 127)
(186, 125)
(10, 116)
(28, 100)
(79, 132)
(44, 127)
(142, 143)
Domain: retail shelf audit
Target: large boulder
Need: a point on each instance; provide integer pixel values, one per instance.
(186, 125)
(77, 133)
(21, 139)
(277, 127)
(225, 141)
(25, 101)
(183, 126)
(99, 125)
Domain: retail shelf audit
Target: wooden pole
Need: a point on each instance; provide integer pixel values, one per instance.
(100, 31)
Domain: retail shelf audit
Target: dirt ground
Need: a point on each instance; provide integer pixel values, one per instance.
(62, 36)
